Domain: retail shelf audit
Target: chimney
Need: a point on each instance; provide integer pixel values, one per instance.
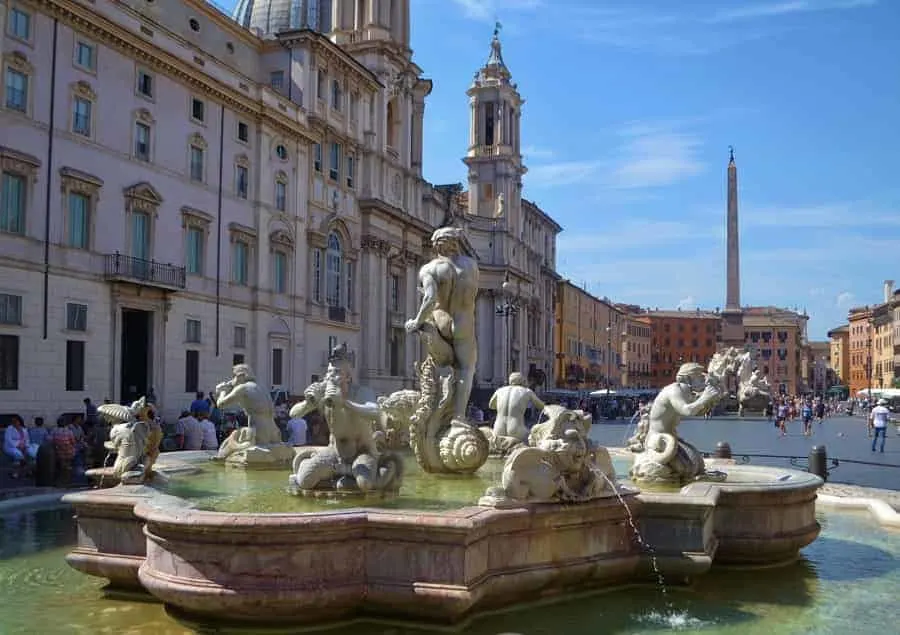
(888, 290)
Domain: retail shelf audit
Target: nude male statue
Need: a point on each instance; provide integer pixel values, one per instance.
(449, 287)
(510, 402)
(242, 390)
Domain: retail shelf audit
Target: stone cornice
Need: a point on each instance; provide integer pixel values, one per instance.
(377, 245)
(325, 49)
(77, 181)
(369, 205)
(83, 19)
(19, 162)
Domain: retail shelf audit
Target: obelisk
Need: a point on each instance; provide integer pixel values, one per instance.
(732, 316)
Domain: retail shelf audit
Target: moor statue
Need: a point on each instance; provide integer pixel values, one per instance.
(441, 437)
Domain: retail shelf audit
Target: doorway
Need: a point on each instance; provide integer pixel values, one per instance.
(137, 344)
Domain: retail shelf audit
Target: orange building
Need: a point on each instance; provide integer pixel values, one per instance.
(677, 337)
(840, 352)
(860, 348)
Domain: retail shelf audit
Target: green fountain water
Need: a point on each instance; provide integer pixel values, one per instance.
(847, 581)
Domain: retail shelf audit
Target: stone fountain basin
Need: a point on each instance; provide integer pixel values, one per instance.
(437, 566)
(759, 516)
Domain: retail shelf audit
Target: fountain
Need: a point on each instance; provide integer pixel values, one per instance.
(234, 545)
(510, 403)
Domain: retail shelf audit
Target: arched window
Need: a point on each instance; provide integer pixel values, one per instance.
(333, 267)
(391, 126)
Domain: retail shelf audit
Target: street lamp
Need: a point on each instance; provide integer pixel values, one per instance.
(509, 308)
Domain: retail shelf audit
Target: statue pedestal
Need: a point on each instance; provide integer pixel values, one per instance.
(259, 457)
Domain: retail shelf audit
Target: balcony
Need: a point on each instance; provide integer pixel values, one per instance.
(148, 273)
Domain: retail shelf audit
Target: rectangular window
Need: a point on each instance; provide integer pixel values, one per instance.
(194, 249)
(12, 203)
(336, 95)
(16, 90)
(76, 317)
(240, 336)
(198, 110)
(145, 84)
(280, 196)
(79, 220)
(276, 80)
(75, 365)
(334, 162)
(317, 157)
(141, 141)
(10, 309)
(332, 343)
(277, 366)
(192, 331)
(240, 265)
(81, 117)
(352, 107)
(243, 132)
(20, 24)
(317, 275)
(241, 181)
(279, 272)
(237, 358)
(196, 163)
(321, 80)
(9, 362)
(395, 292)
(140, 235)
(84, 56)
(191, 371)
(351, 171)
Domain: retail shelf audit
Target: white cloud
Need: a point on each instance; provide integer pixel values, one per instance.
(635, 234)
(685, 304)
(844, 300)
(775, 9)
(861, 214)
(490, 9)
(537, 153)
(650, 155)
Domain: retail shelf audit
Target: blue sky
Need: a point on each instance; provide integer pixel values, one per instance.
(631, 107)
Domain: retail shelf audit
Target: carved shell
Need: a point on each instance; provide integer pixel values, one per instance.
(115, 413)
(463, 448)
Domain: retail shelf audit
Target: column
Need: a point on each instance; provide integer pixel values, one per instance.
(473, 124)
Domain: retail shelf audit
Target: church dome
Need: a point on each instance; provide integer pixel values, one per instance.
(269, 17)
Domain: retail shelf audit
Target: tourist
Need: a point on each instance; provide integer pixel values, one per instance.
(210, 440)
(200, 404)
(193, 431)
(180, 426)
(90, 411)
(297, 431)
(807, 414)
(64, 446)
(781, 417)
(16, 444)
(879, 416)
(38, 434)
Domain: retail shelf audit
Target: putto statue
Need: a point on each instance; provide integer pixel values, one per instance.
(560, 464)
(510, 402)
(665, 457)
(258, 444)
(441, 437)
(134, 438)
(352, 462)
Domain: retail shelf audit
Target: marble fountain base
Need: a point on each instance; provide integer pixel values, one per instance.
(429, 566)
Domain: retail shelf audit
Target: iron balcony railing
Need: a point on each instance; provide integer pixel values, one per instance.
(149, 272)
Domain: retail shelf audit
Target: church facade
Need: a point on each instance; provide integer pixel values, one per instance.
(183, 190)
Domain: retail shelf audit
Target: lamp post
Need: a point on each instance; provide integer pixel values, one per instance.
(608, 351)
(509, 308)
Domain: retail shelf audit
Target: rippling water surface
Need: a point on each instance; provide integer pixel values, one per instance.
(847, 582)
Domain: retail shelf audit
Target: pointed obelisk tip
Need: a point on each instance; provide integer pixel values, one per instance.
(731, 154)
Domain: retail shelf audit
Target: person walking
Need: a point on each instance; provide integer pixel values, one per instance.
(878, 416)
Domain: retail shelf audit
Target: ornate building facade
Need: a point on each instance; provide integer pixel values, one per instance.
(183, 191)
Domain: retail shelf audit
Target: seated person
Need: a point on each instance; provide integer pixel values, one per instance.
(16, 443)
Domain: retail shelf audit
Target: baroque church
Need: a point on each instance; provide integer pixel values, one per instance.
(247, 188)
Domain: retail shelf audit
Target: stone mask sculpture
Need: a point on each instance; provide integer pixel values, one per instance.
(440, 436)
(560, 464)
(666, 458)
(134, 438)
(352, 463)
(258, 444)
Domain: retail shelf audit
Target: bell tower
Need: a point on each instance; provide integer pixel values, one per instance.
(494, 156)
(357, 21)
